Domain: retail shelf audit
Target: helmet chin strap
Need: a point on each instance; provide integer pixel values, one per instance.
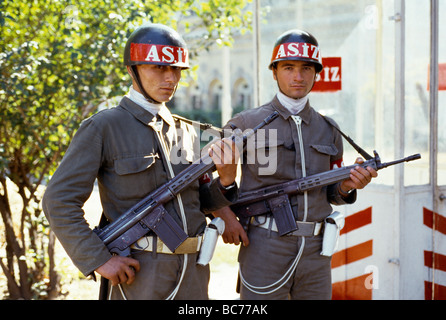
(135, 76)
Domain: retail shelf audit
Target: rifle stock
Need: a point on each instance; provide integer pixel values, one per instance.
(258, 202)
(150, 215)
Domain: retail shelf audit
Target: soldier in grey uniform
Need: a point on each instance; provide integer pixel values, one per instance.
(132, 150)
(303, 143)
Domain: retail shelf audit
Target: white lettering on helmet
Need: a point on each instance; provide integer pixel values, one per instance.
(153, 54)
(296, 49)
(315, 50)
(305, 50)
(281, 52)
(293, 49)
(167, 52)
(180, 55)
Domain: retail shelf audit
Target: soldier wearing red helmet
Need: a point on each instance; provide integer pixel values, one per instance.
(303, 143)
(130, 150)
(297, 48)
(155, 45)
(297, 45)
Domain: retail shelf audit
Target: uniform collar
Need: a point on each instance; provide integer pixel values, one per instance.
(305, 114)
(145, 116)
(166, 115)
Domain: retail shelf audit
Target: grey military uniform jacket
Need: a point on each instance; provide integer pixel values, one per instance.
(322, 146)
(119, 148)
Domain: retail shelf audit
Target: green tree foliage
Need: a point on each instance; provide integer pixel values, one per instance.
(58, 61)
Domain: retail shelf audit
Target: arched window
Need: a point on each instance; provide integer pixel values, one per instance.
(242, 94)
(195, 99)
(215, 95)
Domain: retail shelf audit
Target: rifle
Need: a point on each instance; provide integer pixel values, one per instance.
(149, 214)
(275, 199)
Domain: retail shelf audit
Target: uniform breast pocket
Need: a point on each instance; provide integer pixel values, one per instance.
(136, 176)
(320, 157)
(270, 156)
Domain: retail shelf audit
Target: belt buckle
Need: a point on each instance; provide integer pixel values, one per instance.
(317, 228)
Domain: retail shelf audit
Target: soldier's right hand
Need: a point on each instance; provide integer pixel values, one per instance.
(119, 270)
(234, 232)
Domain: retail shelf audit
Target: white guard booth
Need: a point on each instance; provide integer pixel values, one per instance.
(392, 98)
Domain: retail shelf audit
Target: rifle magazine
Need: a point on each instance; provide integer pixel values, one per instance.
(165, 227)
(283, 214)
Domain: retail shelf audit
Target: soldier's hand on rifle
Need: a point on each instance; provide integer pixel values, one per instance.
(225, 155)
(359, 178)
(234, 232)
(119, 270)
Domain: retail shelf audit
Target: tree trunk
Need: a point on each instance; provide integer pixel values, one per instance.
(54, 288)
(13, 249)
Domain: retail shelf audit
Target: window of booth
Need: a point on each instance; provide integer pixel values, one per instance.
(362, 39)
(442, 96)
(361, 35)
(417, 101)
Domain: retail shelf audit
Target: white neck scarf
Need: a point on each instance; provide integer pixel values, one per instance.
(293, 105)
(139, 99)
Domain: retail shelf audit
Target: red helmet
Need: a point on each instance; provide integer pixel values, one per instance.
(156, 44)
(297, 45)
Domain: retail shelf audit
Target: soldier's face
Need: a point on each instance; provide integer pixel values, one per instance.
(295, 78)
(159, 82)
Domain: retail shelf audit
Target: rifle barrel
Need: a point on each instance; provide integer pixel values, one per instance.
(407, 159)
(313, 181)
